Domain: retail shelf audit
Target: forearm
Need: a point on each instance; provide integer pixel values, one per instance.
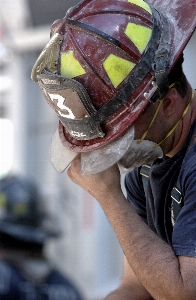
(127, 294)
(152, 260)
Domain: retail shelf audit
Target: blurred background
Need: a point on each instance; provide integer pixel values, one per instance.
(88, 250)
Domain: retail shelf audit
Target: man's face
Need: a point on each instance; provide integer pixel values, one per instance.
(157, 131)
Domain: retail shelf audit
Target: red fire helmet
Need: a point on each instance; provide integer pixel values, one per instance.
(104, 62)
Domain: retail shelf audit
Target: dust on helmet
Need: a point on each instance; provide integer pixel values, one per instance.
(104, 63)
(20, 214)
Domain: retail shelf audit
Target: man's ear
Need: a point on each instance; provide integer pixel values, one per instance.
(169, 103)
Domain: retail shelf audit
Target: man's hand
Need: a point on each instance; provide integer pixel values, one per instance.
(98, 185)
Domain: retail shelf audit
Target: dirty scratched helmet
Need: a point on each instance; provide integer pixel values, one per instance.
(105, 61)
(21, 219)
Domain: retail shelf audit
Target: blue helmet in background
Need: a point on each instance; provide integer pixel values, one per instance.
(20, 212)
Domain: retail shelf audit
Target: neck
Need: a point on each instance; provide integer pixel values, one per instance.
(181, 133)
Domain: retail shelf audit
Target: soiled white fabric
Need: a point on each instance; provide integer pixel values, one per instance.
(101, 159)
(139, 154)
(60, 156)
(91, 162)
(125, 151)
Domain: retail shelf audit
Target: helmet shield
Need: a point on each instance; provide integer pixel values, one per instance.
(72, 104)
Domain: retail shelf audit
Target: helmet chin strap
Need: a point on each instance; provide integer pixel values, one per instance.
(173, 128)
(178, 122)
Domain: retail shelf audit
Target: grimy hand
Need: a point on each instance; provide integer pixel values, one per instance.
(98, 185)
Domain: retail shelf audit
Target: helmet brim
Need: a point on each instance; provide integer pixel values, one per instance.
(28, 234)
(182, 19)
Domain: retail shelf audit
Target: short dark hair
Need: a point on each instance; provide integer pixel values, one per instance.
(178, 77)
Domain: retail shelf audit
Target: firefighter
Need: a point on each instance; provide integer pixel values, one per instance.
(112, 72)
(25, 272)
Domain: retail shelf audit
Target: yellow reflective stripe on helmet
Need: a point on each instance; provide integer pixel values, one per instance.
(142, 4)
(70, 66)
(20, 209)
(117, 68)
(3, 200)
(139, 35)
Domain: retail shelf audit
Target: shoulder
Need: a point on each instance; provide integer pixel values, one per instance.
(9, 277)
(188, 170)
(58, 278)
(189, 161)
(63, 284)
(184, 229)
(5, 277)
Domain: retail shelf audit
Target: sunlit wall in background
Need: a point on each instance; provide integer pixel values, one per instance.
(6, 149)
(88, 250)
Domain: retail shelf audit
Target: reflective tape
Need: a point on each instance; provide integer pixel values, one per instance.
(3, 200)
(139, 35)
(20, 209)
(117, 68)
(70, 66)
(142, 4)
